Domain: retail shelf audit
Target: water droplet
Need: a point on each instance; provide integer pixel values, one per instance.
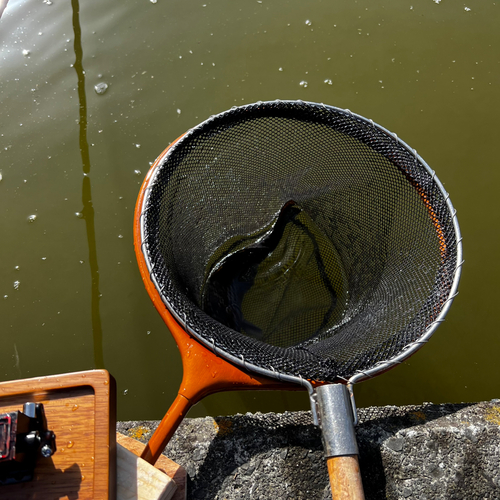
(32, 218)
(136, 172)
(148, 333)
(308, 22)
(101, 88)
(1, 176)
(328, 81)
(75, 407)
(137, 146)
(467, 9)
(179, 111)
(280, 69)
(70, 444)
(6, 296)
(79, 215)
(16, 285)
(83, 477)
(26, 53)
(47, 2)
(303, 83)
(153, 1)
(125, 392)
(16, 268)
(120, 236)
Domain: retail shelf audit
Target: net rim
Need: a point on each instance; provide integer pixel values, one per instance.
(359, 375)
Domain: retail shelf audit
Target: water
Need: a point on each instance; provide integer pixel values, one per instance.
(282, 285)
(427, 71)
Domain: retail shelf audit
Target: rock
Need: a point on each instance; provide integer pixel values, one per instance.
(426, 452)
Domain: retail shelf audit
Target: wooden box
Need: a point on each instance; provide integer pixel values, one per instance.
(81, 410)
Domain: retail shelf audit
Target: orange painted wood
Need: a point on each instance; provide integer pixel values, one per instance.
(345, 478)
(204, 372)
(80, 409)
(169, 467)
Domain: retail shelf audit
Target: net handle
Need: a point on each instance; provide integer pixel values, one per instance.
(345, 478)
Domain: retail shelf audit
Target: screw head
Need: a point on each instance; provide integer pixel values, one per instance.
(46, 451)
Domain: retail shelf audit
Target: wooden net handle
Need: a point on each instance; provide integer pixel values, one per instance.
(345, 478)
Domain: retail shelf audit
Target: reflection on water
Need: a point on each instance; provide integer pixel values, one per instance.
(427, 71)
(88, 208)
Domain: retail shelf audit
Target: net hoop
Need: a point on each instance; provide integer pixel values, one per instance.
(359, 375)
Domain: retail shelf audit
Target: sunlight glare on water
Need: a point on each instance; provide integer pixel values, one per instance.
(92, 92)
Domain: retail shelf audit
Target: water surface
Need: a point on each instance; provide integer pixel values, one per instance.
(72, 160)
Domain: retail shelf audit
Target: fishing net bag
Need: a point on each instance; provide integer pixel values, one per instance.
(300, 239)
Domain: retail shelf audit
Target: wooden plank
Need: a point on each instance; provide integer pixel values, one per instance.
(80, 409)
(169, 467)
(139, 480)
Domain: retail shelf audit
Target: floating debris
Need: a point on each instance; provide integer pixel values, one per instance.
(101, 88)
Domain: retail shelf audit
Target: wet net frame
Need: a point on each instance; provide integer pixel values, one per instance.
(294, 363)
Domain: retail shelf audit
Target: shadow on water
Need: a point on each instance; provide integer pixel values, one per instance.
(88, 207)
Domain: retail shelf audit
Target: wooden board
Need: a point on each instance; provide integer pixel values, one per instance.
(137, 479)
(81, 410)
(169, 467)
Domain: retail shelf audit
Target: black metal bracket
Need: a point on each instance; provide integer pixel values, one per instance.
(24, 438)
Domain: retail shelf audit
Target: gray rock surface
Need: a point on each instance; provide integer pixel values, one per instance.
(449, 451)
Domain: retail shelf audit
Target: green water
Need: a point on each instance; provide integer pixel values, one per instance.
(72, 295)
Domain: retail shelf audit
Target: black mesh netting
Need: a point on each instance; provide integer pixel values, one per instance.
(300, 238)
